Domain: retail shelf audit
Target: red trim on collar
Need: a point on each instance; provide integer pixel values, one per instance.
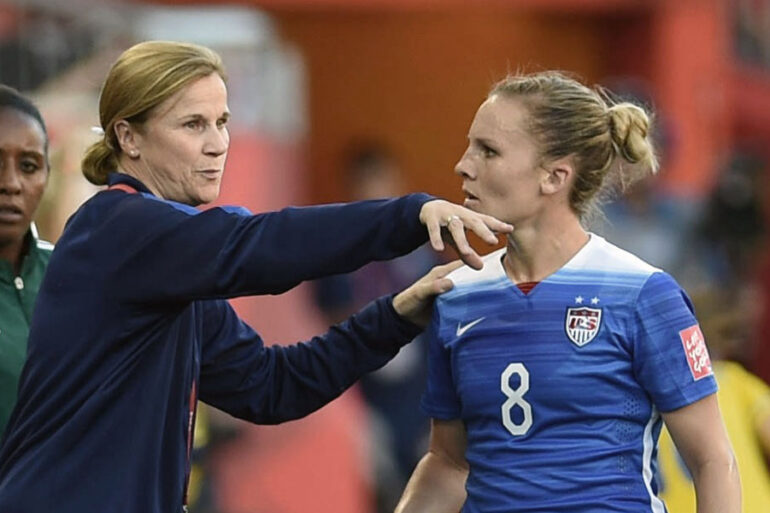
(527, 286)
(123, 187)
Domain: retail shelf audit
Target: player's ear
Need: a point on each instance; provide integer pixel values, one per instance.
(558, 176)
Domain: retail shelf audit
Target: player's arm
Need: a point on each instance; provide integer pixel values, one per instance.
(700, 437)
(437, 484)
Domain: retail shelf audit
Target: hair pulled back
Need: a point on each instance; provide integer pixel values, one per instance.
(142, 78)
(568, 118)
(13, 99)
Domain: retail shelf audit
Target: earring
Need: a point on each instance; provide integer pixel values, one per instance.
(133, 153)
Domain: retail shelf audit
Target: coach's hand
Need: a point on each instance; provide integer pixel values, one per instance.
(416, 302)
(446, 220)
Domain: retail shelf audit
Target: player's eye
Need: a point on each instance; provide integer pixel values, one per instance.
(488, 152)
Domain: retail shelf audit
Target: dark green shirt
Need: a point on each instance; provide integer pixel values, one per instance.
(17, 299)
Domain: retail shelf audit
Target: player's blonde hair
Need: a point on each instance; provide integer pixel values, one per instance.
(569, 119)
(142, 78)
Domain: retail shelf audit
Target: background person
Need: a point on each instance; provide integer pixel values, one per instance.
(392, 394)
(132, 328)
(24, 173)
(551, 371)
(728, 318)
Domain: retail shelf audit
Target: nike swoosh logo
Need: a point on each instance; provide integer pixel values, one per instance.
(462, 329)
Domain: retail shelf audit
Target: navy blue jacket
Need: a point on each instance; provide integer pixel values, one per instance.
(130, 324)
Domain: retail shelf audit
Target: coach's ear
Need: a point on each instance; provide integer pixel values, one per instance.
(128, 138)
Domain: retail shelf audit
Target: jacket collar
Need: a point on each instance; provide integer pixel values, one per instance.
(116, 178)
(30, 254)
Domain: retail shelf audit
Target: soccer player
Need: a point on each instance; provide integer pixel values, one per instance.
(551, 370)
(726, 317)
(23, 257)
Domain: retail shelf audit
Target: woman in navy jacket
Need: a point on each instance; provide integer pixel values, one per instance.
(132, 327)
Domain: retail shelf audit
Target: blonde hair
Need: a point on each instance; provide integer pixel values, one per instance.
(143, 77)
(569, 119)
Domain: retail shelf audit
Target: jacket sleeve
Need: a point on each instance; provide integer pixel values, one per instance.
(268, 385)
(163, 252)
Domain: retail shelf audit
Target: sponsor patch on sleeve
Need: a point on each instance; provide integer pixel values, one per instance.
(695, 350)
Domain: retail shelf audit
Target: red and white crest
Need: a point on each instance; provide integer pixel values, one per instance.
(582, 324)
(695, 349)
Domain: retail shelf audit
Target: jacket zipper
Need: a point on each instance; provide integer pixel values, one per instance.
(190, 433)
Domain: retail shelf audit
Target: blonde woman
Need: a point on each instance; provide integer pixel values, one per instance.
(551, 370)
(132, 326)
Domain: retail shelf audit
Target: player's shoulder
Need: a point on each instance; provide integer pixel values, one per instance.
(600, 254)
(466, 277)
(602, 263)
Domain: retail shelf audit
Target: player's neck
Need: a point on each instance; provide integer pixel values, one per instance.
(537, 250)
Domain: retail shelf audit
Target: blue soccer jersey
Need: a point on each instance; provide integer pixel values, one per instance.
(560, 389)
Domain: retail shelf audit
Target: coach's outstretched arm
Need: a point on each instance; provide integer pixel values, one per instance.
(701, 439)
(437, 484)
(170, 252)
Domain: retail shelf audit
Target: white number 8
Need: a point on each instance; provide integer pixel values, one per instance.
(516, 398)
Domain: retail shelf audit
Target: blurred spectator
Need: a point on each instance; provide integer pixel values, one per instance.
(752, 38)
(212, 428)
(646, 220)
(392, 394)
(651, 225)
(727, 321)
(45, 42)
(733, 229)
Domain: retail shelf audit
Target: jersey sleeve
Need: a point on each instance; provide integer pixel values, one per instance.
(439, 400)
(271, 384)
(160, 253)
(670, 357)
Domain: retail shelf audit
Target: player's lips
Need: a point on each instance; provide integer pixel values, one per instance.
(10, 213)
(469, 197)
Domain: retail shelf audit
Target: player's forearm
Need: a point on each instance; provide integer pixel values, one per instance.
(718, 487)
(437, 486)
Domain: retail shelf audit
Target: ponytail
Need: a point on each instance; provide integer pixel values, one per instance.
(98, 162)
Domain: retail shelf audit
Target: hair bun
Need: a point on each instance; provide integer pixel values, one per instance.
(629, 129)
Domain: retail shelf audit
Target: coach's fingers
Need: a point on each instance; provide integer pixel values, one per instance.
(434, 234)
(486, 227)
(458, 239)
(416, 302)
(447, 221)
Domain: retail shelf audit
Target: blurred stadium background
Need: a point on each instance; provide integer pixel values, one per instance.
(308, 77)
